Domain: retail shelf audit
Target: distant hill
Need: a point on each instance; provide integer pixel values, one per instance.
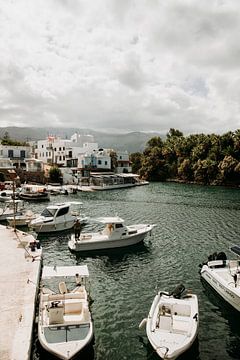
(132, 142)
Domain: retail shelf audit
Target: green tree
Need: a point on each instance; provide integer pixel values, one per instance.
(136, 161)
(55, 175)
(114, 161)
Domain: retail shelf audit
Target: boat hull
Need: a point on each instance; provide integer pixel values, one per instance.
(102, 243)
(63, 351)
(52, 227)
(33, 197)
(178, 334)
(222, 282)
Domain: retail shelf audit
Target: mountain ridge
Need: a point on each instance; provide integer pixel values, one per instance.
(132, 142)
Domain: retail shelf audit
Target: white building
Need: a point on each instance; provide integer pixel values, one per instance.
(14, 152)
(80, 154)
(97, 159)
(55, 150)
(123, 162)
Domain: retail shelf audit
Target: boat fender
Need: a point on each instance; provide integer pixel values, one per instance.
(142, 323)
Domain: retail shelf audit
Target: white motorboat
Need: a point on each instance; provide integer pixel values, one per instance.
(22, 219)
(224, 276)
(58, 217)
(10, 208)
(64, 325)
(172, 322)
(6, 195)
(114, 235)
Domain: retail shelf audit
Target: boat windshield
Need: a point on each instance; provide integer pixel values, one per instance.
(48, 212)
(59, 334)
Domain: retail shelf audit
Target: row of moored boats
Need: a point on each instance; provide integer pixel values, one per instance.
(65, 323)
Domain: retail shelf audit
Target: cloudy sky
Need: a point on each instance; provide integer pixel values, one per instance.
(124, 65)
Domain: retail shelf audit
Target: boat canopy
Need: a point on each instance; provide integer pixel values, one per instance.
(235, 249)
(60, 205)
(64, 271)
(110, 220)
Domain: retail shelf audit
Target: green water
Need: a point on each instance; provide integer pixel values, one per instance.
(192, 222)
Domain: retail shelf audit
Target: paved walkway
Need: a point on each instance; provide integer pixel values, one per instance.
(17, 293)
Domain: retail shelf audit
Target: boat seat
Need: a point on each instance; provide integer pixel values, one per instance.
(181, 310)
(180, 324)
(165, 322)
(76, 295)
(56, 314)
(73, 306)
(62, 287)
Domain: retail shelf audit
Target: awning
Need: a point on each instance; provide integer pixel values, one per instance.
(64, 271)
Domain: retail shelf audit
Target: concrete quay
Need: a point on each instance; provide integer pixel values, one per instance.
(20, 268)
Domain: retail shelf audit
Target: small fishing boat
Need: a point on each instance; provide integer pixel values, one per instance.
(58, 217)
(223, 276)
(114, 235)
(22, 219)
(10, 208)
(172, 322)
(6, 195)
(34, 193)
(64, 324)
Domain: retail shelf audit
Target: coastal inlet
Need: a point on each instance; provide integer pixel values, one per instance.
(191, 223)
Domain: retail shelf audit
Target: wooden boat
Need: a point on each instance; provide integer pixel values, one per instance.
(172, 322)
(34, 193)
(58, 217)
(224, 276)
(64, 326)
(6, 195)
(114, 235)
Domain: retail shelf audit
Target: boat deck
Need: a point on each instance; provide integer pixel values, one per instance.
(19, 275)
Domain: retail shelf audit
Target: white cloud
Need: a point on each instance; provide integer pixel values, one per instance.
(129, 64)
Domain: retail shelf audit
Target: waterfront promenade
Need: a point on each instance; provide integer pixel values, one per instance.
(19, 275)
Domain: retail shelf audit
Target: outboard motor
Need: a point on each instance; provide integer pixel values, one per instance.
(177, 292)
(221, 256)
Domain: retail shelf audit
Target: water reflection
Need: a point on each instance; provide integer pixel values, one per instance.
(223, 310)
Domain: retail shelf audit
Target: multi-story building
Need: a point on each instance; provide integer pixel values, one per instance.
(123, 162)
(64, 152)
(82, 155)
(17, 154)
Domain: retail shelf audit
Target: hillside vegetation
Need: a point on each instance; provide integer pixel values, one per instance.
(204, 159)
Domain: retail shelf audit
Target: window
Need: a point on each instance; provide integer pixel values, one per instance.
(60, 149)
(10, 153)
(63, 147)
(22, 154)
(48, 212)
(63, 211)
(99, 162)
(42, 146)
(106, 162)
(63, 157)
(60, 158)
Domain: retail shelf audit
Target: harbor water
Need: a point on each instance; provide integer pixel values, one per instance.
(192, 222)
